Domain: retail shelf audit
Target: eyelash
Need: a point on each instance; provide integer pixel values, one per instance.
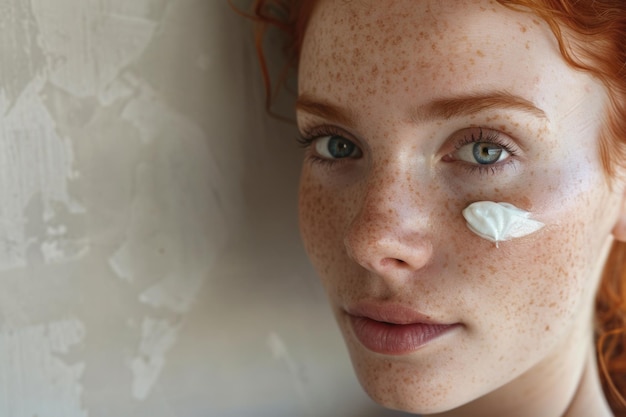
(495, 138)
(308, 138)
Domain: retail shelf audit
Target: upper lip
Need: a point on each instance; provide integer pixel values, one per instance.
(390, 313)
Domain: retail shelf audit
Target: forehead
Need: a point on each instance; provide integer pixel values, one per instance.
(355, 48)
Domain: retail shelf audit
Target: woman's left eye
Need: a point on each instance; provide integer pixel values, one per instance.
(482, 153)
(482, 149)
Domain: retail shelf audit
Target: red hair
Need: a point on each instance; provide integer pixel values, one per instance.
(595, 43)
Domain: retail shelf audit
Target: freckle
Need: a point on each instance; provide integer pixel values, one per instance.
(480, 53)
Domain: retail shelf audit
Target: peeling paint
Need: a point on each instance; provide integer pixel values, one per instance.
(167, 227)
(121, 262)
(37, 164)
(86, 52)
(157, 337)
(174, 292)
(35, 379)
(22, 58)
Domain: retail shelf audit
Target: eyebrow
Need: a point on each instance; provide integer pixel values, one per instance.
(471, 104)
(324, 110)
(444, 108)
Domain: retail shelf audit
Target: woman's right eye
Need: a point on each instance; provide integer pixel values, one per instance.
(336, 147)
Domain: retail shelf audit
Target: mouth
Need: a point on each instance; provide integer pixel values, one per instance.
(393, 329)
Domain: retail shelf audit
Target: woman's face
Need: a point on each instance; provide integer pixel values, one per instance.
(396, 94)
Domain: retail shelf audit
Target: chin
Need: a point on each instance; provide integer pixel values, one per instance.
(408, 383)
(409, 397)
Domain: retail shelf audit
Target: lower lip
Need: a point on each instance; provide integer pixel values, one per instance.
(396, 339)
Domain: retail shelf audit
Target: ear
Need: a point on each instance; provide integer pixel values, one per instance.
(619, 230)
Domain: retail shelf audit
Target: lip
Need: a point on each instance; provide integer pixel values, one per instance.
(394, 329)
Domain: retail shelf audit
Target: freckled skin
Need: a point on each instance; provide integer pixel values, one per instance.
(387, 226)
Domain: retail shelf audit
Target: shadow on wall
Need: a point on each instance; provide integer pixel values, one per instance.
(290, 357)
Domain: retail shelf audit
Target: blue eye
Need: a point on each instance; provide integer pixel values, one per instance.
(336, 147)
(482, 149)
(486, 153)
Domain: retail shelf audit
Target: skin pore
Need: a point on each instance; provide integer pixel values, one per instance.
(393, 97)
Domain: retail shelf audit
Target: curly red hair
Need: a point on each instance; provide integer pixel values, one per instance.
(595, 43)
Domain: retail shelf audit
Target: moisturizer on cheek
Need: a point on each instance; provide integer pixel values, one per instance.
(497, 222)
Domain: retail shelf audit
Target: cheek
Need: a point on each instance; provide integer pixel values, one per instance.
(540, 286)
(324, 216)
(526, 283)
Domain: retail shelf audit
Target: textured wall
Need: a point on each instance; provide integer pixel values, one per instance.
(149, 257)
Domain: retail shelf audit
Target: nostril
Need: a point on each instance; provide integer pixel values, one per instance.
(392, 262)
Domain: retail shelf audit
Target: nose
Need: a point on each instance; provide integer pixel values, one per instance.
(389, 235)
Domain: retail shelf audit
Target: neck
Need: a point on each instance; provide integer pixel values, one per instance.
(589, 398)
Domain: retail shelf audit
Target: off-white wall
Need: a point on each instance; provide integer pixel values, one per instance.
(149, 257)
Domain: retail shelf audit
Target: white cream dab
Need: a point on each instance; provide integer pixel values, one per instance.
(497, 222)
